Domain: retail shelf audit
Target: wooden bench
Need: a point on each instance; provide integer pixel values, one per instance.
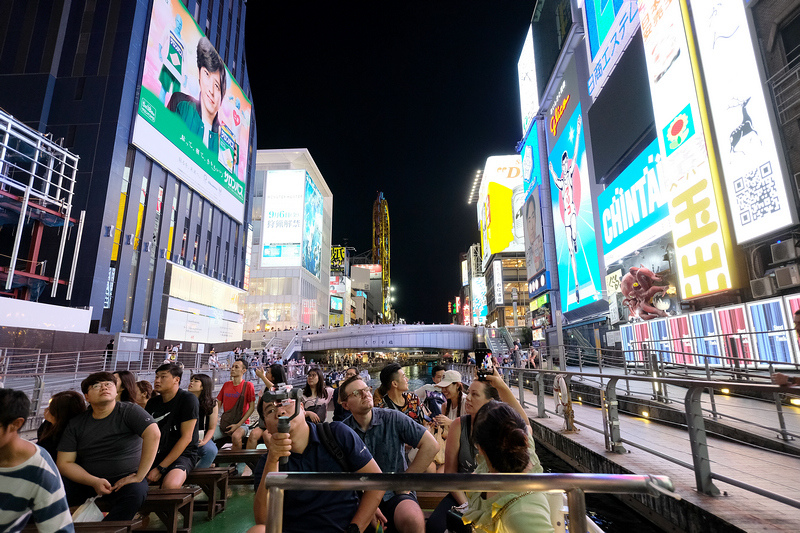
(248, 457)
(169, 504)
(98, 527)
(428, 501)
(213, 481)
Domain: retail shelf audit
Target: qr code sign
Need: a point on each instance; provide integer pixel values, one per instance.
(756, 194)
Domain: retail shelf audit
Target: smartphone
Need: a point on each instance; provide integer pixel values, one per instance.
(483, 363)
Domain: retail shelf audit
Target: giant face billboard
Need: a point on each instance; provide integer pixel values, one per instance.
(756, 186)
(699, 229)
(573, 218)
(192, 117)
(500, 201)
(633, 209)
(312, 228)
(282, 219)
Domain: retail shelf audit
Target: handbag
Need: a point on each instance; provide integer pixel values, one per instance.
(454, 522)
(88, 512)
(233, 415)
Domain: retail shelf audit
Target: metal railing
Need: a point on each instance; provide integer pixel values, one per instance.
(575, 486)
(785, 87)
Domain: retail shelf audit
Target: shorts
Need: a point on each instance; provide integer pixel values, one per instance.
(181, 463)
(218, 434)
(388, 507)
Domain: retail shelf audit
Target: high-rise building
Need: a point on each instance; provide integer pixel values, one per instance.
(154, 98)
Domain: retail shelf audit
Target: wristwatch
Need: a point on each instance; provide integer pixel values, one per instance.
(352, 528)
(161, 469)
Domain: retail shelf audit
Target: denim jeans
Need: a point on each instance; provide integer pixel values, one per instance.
(206, 454)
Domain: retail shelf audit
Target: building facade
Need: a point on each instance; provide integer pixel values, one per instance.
(163, 174)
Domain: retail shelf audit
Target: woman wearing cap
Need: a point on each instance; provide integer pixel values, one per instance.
(453, 390)
(460, 454)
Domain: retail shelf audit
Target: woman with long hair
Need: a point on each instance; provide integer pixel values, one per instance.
(453, 391)
(127, 391)
(271, 376)
(202, 386)
(505, 445)
(274, 374)
(145, 392)
(63, 407)
(394, 394)
(316, 396)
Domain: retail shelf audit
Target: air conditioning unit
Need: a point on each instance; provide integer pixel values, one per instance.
(788, 276)
(784, 251)
(763, 287)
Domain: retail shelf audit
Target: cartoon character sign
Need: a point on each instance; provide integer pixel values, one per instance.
(639, 288)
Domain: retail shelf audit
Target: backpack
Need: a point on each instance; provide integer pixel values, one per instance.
(328, 440)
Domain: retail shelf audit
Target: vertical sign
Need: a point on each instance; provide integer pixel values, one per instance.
(497, 267)
(248, 255)
(609, 29)
(699, 226)
(528, 88)
(756, 188)
(534, 240)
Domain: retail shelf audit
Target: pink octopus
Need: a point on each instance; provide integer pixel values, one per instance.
(639, 290)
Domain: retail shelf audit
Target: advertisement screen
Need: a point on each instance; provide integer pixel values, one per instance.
(338, 254)
(464, 273)
(531, 167)
(757, 194)
(792, 303)
(680, 335)
(337, 304)
(734, 332)
(704, 330)
(534, 239)
(479, 307)
(699, 229)
(773, 341)
(633, 209)
(609, 29)
(500, 200)
(192, 117)
(573, 218)
(312, 228)
(528, 88)
(282, 219)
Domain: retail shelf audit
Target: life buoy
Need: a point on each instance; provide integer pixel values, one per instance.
(560, 394)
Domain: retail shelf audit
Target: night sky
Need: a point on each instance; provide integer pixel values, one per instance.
(408, 99)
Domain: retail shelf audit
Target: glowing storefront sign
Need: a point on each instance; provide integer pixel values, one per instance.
(282, 218)
(501, 197)
(479, 307)
(196, 126)
(497, 268)
(528, 88)
(755, 183)
(633, 209)
(467, 312)
(609, 29)
(699, 229)
(464, 273)
(338, 255)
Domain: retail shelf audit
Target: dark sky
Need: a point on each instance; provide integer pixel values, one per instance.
(408, 99)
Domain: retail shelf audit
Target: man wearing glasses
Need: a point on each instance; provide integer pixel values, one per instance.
(107, 450)
(386, 432)
(310, 510)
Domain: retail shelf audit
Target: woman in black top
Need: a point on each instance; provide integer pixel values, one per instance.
(63, 407)
(202, 387)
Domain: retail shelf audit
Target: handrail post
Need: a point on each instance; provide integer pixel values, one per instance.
(711, 391)
(610, 409)
(784, 434)
(540, 406)
(521, 386)
(275, 510)
(697, 439)
(577, 510)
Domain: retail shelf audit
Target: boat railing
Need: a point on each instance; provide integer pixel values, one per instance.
(574, 485)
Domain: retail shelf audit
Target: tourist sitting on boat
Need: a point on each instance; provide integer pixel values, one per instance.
(316, 396)
(394, 394)
(202, 386)
(505, 445)
(453, 390)
(460, 454)
(63, 407)
(272, 376)
(311, 510)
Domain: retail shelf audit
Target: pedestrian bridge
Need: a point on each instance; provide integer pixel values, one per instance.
(384, 337)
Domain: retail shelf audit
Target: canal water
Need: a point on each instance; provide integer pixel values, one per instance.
(605, 510)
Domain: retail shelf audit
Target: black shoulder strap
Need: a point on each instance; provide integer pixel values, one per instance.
(329, 441)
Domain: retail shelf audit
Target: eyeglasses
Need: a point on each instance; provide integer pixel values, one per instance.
(358, 393)
(103, 385)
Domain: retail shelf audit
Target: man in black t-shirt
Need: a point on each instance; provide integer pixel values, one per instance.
(107, 450)
(175, 411)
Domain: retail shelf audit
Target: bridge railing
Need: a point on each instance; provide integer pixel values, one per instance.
(695, 415)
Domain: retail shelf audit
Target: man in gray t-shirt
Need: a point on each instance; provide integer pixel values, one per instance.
(107, 451)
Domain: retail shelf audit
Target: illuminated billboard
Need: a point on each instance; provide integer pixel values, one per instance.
(500, 202)
(534, 238)
(312, 228)
(464, 273)
(698, 221)
(479, 307)
(633, 209)
(609, 29)
(337, 304)
(193, 118)
(573, 218)
(531, 167)
(338, 255)
(282, 218)
(756, 187)
(528, 88)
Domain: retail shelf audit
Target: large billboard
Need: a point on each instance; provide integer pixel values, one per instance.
(192, 117)
(500, 202)
(528, 88)
(573, 218)
(755, 183)
(534, 237)
(312, 228)
(531, 167)
(609, 29)
(282, 218)
(479, 307)
(633, 209)
(700, 234)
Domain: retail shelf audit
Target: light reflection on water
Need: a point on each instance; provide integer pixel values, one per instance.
(418, 376)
